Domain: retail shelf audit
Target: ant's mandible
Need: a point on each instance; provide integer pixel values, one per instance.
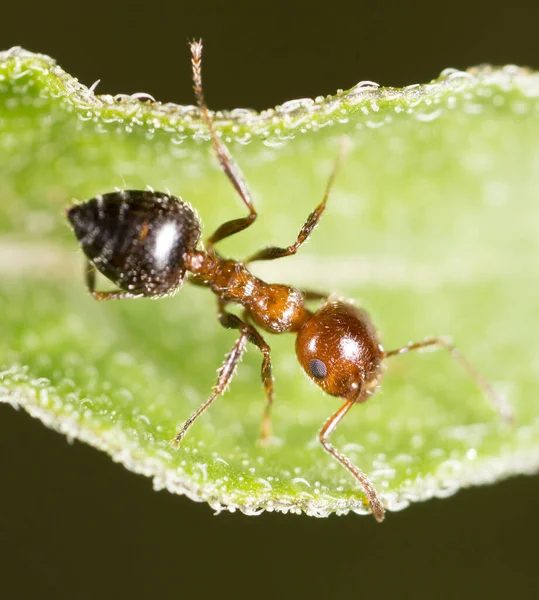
(146, 242)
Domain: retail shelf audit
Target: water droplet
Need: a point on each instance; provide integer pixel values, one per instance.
(426, 117)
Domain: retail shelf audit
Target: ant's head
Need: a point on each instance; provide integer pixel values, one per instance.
(339, 350)
(137, 239)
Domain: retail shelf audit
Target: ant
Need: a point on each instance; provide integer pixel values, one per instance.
(146, 242)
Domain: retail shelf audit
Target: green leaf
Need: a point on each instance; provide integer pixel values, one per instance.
(431, 226)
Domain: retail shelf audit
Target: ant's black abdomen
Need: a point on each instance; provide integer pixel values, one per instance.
(137, 238)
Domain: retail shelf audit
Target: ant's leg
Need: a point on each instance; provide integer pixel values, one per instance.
(195, 280)
(325, 432)
(498, 402)
(231, 321)
(312, 295)
(273, 252)
(225, 374)
(115, 295)
(228, 165)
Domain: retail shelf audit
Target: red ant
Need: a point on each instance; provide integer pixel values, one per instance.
(145, 242)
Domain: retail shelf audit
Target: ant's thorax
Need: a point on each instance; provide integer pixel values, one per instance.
(276, 308)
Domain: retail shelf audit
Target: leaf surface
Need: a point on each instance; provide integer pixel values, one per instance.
(431, 226)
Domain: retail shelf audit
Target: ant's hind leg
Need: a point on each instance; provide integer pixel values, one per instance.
(231, 321)
(311, 295)
(328, 428)
(498, 402)
(114, 295)
(273, 252)
(231, 169)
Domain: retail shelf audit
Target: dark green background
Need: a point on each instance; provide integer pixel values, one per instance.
(75, 525)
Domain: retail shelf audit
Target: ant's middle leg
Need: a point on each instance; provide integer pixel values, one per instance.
(231, 321)
(225, 374)
(227, 370)
(231, 169)
(273, 252)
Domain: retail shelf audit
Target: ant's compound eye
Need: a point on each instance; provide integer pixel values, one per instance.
(317, 368)
(338, 349)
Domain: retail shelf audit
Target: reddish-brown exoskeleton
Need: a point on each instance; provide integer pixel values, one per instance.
(146, 242)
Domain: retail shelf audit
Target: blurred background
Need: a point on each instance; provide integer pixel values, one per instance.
(75, 525)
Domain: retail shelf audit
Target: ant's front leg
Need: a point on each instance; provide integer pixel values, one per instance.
(377, 508)
(498, 402)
